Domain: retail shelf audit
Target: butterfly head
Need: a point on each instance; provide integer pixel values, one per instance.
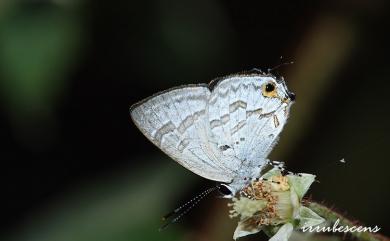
(276, 88)
(278, 98)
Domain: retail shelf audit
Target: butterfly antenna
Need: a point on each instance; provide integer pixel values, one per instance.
(190, 204)
(278, 66)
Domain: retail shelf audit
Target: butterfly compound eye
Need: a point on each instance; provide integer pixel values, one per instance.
(269, 90)
(269, 87)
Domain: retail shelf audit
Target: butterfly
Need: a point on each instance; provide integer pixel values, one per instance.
(222, 131)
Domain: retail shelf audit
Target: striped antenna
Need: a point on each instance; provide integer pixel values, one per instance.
(190, 204)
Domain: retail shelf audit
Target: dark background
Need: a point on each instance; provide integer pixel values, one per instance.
(74, 167)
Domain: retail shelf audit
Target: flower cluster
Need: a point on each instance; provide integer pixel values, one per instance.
(274, 204)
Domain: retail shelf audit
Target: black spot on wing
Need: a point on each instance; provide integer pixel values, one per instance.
(224, 147)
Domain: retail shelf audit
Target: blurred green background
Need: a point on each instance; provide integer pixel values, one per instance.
(75, 168)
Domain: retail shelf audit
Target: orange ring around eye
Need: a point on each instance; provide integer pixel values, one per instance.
(269, 90)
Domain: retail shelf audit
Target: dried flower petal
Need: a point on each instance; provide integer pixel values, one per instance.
(301, 183)
(244, 229)
(308, 218)
(283, 233)
(245, 207)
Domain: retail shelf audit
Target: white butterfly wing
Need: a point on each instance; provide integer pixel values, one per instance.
(176, 121)
(244, 120)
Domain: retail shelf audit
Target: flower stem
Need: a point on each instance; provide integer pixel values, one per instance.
(332, 216)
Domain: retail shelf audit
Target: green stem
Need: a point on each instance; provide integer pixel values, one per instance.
(331, 216)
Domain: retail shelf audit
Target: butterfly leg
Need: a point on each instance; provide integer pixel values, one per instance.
(278, 164)
(282, 167)
(257, 179)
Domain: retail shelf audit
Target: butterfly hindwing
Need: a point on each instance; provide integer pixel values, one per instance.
(176, 121)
